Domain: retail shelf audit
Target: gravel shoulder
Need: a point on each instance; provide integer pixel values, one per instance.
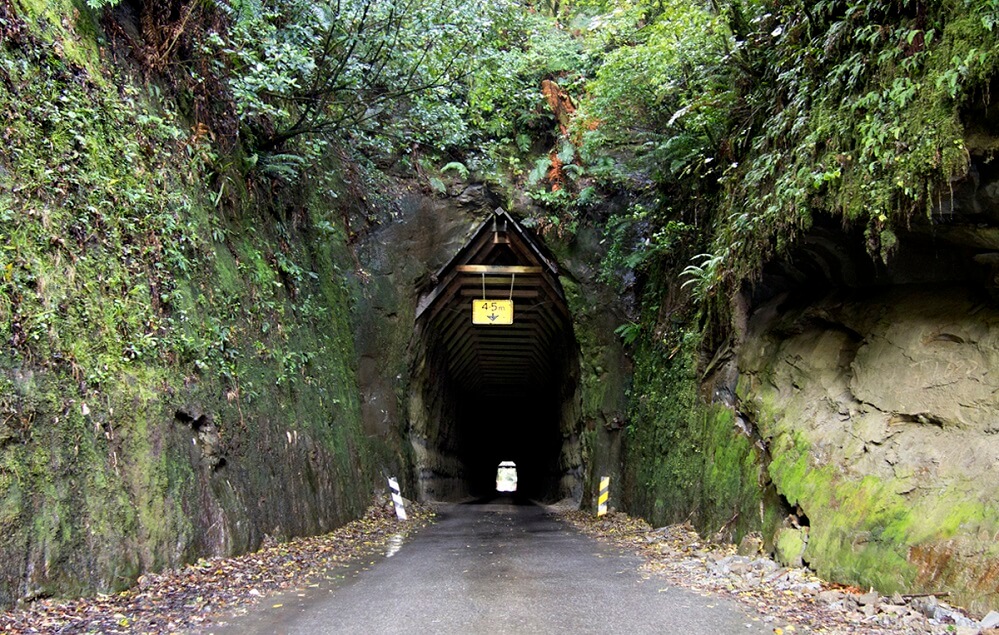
(791, 600)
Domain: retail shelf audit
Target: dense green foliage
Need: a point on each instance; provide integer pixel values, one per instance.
(125, 223)
(752, 119)
(733, 123)
(176, 260)
(383, 73)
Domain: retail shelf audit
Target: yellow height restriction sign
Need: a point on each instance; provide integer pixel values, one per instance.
(492, 311)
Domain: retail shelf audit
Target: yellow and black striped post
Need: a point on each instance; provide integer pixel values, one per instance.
(603, 496)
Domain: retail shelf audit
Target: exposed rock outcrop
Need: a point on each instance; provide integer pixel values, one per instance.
(880, 416)
(875, 391)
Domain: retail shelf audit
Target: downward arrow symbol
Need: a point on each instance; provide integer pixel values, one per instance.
(492, 318)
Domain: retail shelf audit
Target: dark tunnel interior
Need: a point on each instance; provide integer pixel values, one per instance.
(483, 393)
(523, 428)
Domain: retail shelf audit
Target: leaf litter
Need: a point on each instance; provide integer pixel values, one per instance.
(195, 596)
(790, 599)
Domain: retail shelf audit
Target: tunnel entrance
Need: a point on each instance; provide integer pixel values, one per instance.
(488, 386)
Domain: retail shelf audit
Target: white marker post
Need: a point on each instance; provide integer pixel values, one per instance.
(400, 508)
(603, 496)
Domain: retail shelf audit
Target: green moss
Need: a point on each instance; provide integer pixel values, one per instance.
(732, 474)
(686, 460)
(862, 531)
(67, 24)
(790, 546)
(127, 298)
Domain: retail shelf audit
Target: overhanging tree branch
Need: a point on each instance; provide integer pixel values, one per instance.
(371, 53)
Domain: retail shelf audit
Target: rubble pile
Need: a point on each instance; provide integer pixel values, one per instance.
(792, 599)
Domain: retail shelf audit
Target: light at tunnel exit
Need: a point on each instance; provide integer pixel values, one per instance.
(506, 477)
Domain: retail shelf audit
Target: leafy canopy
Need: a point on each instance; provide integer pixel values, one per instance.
(382, 73)
(751, 117)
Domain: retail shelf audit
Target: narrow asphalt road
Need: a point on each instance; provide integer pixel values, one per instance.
(498, 568)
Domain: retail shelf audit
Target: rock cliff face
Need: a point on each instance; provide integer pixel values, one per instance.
(177, 375)
(880, 417)
(875, 390)
(401, 402)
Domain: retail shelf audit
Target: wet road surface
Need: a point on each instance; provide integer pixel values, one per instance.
(498, 568)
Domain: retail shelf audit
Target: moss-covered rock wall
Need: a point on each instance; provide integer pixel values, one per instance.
(177, 378)
(849, 416)
(877, 412)
(602, 375)
(833, 250)
(686, 459)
